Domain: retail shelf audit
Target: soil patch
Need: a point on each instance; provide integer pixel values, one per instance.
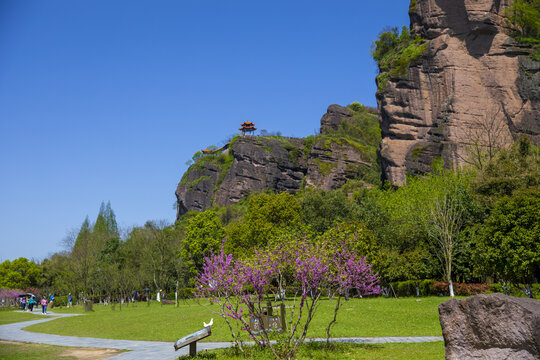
(90, 353)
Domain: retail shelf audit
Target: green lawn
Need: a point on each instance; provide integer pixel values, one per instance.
(8, 317)
(358, 317)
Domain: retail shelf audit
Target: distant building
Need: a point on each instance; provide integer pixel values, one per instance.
(247, 127)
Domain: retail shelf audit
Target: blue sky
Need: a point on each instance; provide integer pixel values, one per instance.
(107, 100)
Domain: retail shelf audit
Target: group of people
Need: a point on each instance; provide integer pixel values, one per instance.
(28, 302)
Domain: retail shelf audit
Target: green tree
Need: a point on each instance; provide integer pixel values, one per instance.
(58, 274)
(19, 273)
(324, 209)
(204, 234)
(524, 16)
(432, 209)
(358, 237)
(84, 257)
(508, 245)
(268, 217)
(510, 170)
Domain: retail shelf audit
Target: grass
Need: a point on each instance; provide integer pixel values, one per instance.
(315, 351)
(10, 350)
(357, 318)
(8, 317)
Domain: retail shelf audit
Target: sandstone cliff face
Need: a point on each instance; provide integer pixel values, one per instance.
(255, 163)
(474, 87)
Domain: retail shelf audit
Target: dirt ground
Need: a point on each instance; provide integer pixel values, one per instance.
(79, 353)
(90, 353)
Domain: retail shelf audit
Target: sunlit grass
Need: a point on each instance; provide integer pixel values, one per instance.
(357, 318)
(8, 317)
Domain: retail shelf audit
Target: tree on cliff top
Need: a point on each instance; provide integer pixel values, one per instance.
(524, 16)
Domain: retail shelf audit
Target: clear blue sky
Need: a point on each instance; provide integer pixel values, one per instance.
(106, 100)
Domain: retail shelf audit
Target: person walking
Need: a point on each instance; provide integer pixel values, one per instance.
(51, 301)
(44, 305)
(23, 303)
(31, 303)
(70, 300)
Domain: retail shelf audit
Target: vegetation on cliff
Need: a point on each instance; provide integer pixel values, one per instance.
(524, 18)
(352, 145)
(394, 52)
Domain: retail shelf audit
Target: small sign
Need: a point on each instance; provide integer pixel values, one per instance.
(193, 338)
(270, 323)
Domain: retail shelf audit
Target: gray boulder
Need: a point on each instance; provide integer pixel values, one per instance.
(333, 117)
(491, 327)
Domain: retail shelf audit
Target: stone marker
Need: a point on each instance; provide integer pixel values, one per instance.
(491, 327)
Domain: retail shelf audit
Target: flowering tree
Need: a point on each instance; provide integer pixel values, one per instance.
(350, 273)
(10, 296)
(241, 288)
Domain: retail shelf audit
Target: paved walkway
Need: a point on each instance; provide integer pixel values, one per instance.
(142, 350)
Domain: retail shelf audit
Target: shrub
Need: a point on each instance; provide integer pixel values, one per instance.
(425, 287)
(471, 289)
(408, 288)
(405, 288)
(440, 288)
(60, 300)
(186, 293)
(394, 52)
(496, 288)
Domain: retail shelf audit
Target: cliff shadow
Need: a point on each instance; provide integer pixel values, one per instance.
(477, 34)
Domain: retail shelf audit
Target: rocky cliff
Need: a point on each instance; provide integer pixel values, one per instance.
(473, 89)
(256, 163)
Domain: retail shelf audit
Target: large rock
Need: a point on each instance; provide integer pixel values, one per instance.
(333, 117)
(491, 327)
(473, 86)
(276, 164)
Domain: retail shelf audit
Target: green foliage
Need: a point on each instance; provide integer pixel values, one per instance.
(508, 243)
(358, 237)
(412, 6)
(363, 128)
(510, 170)
(19, 274)
(524, 17)
(308, 144)
(325, 167)
(204, 234)
(268, 217)
(415, 263)
(324, 209)
(394, 52)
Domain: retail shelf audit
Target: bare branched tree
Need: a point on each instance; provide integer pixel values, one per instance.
(486, 139)
(445, 218)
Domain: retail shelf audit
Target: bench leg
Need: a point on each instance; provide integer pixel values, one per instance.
(193, 349)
